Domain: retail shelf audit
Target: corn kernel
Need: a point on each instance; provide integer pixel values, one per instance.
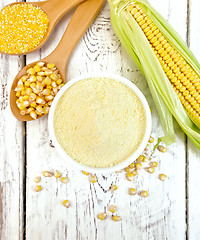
(153, 164)
(50, 65)
(59, 81)
(162, 177)
(47, 174)
(31, 71)
(102, 216)
(116, 218)
(64, 180)
(93, 179)
(139, 159)
(150, 169)
(112, 208)
(130, 176)
(37, 179)
(86, 173)
(66, 203)
(151, 139)
(162, 149)
(54, 76)
(113, 188)
(33, 114)
(143, 194)
(132, 191)
(38, 188)
(57, 174)
(138, 166)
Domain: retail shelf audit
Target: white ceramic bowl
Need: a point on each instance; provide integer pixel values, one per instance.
(126, 162)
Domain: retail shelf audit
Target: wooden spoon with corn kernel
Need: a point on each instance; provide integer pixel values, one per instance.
(80, 21)
(55, 10)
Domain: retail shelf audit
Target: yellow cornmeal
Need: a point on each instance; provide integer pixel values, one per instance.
(22, 28)
(99, 122)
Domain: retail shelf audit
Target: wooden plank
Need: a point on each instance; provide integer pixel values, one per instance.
(162, 214)
(193, 177)
(12, 137)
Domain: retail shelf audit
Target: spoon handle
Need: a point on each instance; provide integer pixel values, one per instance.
(79, 23)
(56, 9)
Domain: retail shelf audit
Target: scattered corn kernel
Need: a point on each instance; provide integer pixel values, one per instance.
(57, 174)
(130, 176)
(128, 169)
(102, 216)
(132, 165)
(135, 173)
(132, 191)
(112, 208)
(116, 218)
(93, 179)
(47, 174)
(66, 203)
(37, 179)
(38, 188)
(162, 177)
(151, 139)
(139, 159)
(64, 180)
(113, 188)
(138, 166)
(143, 194)
(162, 149)
(150, 169)
(86, 173)
(153, 164)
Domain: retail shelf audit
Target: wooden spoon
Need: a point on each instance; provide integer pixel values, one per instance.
(80, 21)
(55, 10)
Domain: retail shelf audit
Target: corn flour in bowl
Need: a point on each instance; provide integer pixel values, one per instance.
(100, 123)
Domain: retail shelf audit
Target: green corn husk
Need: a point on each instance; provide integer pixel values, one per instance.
(138, 47)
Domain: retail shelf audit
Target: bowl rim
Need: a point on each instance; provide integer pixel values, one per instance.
(130, 159)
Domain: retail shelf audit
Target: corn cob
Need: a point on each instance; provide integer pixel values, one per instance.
(171, 70)
(183, 78)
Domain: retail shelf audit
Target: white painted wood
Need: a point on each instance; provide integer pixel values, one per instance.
(193, 177)
(162, 214)
(12, 137)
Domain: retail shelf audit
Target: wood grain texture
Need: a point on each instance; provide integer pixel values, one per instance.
(193, 177)
(162, 215)
(12, 138)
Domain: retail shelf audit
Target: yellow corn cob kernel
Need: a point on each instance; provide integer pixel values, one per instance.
(54, 76)
(143, 194)
(132, 191)
(38, 188)
(102, 216)
(37, 179)
(37, 68)
(113, 188)
(130, 176)
(150, 169)
(32, 97)
(112, 208)
(33, 114)
(64, 180)
(138, 166)
(116, 218)
(93, 179)
(31, 71)
(50, 65)
(85, 173)
(66, 203)
(153, 164)
(57, 174)
(182, 76)
(47, 174)
(162, 177)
